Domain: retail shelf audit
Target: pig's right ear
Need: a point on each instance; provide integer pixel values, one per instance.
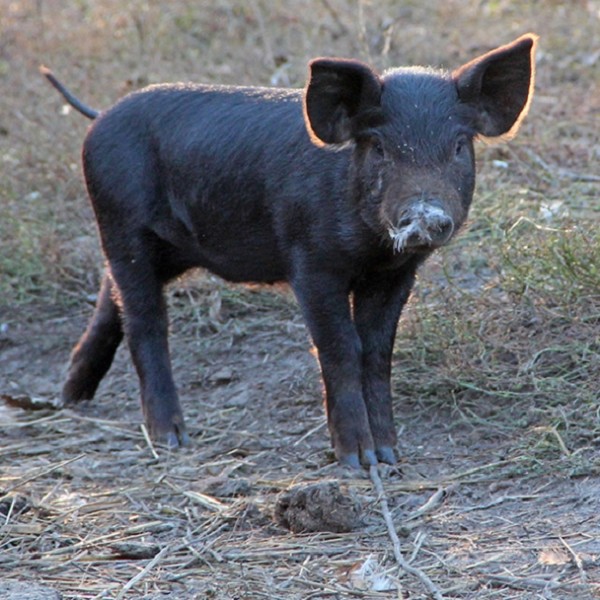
(342, 97)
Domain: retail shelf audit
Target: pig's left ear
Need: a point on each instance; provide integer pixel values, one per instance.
(499, 86)
(342, 97)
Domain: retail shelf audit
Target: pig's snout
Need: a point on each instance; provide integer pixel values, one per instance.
(423, 224)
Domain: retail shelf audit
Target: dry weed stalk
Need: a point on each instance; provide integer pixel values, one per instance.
(387, 516)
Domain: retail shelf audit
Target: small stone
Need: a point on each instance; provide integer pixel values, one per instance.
(134, 550)
(238, 400)
(227, 487)
(224, 375)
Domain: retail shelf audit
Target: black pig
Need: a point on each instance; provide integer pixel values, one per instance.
(342, 190)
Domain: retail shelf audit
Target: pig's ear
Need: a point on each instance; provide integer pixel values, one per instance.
(342, 97)
(499, 86)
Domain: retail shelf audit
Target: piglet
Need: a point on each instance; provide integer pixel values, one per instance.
(342, 189)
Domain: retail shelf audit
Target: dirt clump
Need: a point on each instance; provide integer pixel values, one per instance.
(318, 507)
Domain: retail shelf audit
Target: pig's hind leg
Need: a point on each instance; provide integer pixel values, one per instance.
(131, 302)
(92, 356)
(135, 269)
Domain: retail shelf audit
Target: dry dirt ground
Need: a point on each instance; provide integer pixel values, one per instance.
(496, 372)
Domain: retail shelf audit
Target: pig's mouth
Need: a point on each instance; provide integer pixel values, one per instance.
(422, 226)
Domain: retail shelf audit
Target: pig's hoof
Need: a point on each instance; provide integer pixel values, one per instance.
(385, 454)
(369, 458)
(73, 394)
(350, 460)
(176, 439)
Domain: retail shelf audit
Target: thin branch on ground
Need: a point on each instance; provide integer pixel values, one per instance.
(576, 559)
(402, 562)
(134, 580)
(431, 504)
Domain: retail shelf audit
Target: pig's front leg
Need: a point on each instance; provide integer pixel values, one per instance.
(378, 301)
(325, 304)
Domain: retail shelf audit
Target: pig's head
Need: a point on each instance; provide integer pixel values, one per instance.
(412, 132)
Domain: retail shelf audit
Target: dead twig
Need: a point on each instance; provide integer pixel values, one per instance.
(134, 580)
(149, 441)
(524, 583)
(309, 433)
(499, 500)
(576, 559)
(431, 504)
(560, 441)
(402, 562)
(41, 473)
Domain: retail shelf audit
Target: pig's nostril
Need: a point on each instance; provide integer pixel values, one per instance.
(444, 229)
(445, 226)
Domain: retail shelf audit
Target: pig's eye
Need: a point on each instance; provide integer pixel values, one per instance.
(378, 147)
(460, 147)
(372, 145)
